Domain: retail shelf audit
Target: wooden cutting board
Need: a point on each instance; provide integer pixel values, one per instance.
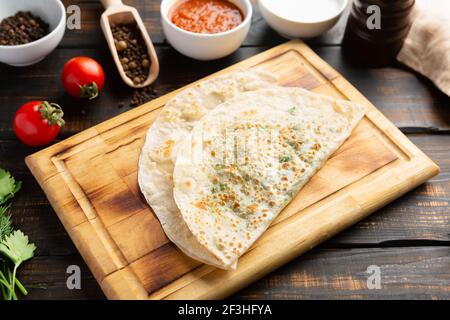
(91, 181)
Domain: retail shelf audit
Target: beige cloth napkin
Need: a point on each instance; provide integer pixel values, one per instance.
(427, 46)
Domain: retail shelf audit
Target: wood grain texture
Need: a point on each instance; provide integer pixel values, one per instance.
(410, 102)
(44, 285)
(342, 274)
(421, 215)
(161, 270)
(406, 273)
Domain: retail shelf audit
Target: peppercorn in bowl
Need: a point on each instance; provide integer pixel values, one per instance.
(30, 30)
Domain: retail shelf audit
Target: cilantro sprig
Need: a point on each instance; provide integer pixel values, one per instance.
(8, 187)
(15, 247)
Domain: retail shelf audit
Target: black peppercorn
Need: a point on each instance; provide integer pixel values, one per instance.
(22, 28)
(132, 51)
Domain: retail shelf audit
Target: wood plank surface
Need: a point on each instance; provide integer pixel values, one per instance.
(411, 103)
(421, 215)
(46, 278)
(99, 212)
(406, 273)
(409, 100)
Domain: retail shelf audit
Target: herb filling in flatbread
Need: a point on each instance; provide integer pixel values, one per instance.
(173, 124)
(245, 161)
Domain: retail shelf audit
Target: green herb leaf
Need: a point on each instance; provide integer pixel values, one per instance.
(285, 159)
(8, 186)
(16, 247)
(13, 244)
(5, 223)
(292, 110)
(293, 144)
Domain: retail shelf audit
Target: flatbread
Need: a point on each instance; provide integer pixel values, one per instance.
(175, 121)
(246, 160)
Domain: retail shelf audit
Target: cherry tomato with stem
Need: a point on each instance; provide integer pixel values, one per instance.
(83, 77)
(37, 123)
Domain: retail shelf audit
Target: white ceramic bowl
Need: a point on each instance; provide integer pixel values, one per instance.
(206, 46)
(290, 28)
(52, 12)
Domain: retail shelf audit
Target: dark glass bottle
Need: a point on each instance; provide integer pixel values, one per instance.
(372, 46)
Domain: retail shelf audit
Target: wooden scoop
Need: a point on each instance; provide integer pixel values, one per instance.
(118, 13)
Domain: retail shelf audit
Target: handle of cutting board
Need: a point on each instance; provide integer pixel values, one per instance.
(111, 3)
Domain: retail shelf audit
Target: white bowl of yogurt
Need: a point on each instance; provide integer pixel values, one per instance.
(301, 18)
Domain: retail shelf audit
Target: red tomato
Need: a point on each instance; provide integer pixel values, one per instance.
(38, 123)
(83, 77)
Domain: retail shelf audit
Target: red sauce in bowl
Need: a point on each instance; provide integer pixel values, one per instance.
(206, 16)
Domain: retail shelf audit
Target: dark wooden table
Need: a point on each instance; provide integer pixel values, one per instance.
(409, 239)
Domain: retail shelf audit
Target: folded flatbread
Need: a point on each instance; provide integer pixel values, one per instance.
(244, 161)
(174, 123)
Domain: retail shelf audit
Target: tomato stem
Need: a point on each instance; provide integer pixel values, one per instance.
(52, 112)
(89, 90)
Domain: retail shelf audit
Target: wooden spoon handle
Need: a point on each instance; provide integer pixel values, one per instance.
(111, 3)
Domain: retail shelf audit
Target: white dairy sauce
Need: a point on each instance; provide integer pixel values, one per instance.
(304, 10)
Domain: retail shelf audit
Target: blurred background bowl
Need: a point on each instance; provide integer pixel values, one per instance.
(52, 12)
(206, 46)
(289, 28)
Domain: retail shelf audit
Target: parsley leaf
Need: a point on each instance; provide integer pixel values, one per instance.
(8, 186)
(285, 159)
(14, 245)
(292, 110)
(17, 248)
